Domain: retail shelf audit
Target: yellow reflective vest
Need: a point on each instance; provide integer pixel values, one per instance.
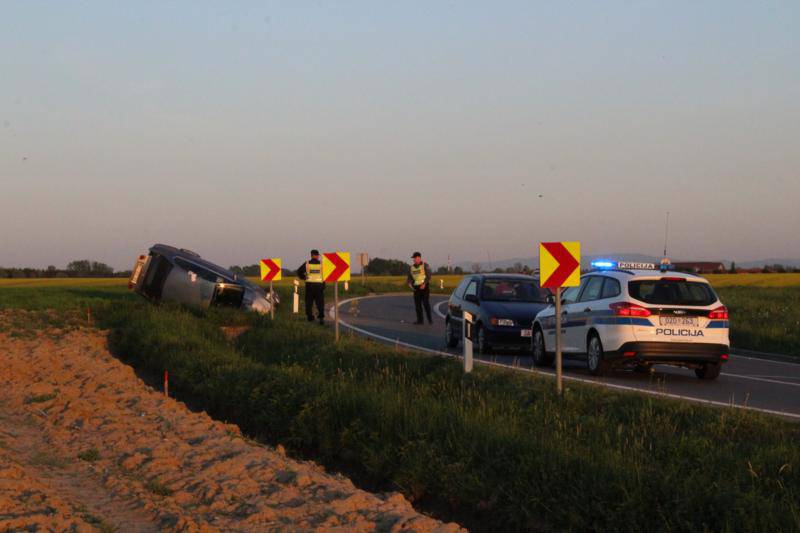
(313, 272)
(418, 274)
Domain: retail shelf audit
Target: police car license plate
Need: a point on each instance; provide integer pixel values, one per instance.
(525, 333)
(691, 321)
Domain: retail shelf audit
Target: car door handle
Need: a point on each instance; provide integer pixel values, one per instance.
(587, 310)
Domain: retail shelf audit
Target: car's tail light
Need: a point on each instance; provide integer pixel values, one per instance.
(628, 354)
(628, 309)
(720, 313)
(724, 357)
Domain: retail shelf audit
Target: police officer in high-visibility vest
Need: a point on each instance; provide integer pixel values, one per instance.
(419, 279)
(311, 273)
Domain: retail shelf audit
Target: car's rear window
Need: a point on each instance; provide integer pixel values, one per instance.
(672, 292)
(513, 290)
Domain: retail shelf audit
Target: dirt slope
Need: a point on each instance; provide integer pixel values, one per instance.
(148, 463)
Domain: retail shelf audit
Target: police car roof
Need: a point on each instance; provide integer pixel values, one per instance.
(642, 273)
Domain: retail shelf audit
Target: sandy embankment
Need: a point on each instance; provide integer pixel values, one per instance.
(148, 462)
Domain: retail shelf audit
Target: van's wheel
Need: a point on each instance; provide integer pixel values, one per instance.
(480, 340)
(708, 371)
(540, 356)
(450, 336)
(595, 357)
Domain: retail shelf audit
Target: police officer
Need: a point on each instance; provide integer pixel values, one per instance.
(419, 279)
(311, 273)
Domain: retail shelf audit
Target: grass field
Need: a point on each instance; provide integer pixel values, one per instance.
(764, 314)
(496, 450)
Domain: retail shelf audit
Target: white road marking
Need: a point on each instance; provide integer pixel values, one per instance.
(398, 342)
(764, 360)
(754, 378)
(439, 311)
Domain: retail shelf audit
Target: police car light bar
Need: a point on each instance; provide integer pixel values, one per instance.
(604, 264)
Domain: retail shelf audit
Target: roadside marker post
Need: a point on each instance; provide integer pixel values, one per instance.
(166, 383)
(363, 260)
(271, 271)
(467, 330)
(559, 266)
(296, 298)
(336, 268)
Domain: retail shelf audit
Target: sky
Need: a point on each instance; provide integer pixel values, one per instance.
(244, 130)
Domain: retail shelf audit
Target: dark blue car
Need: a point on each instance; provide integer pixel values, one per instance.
(503, 307)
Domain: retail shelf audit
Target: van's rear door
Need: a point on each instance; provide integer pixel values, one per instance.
(134, 283)
(152, 277)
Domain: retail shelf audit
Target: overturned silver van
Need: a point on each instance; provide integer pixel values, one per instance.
(179, 275)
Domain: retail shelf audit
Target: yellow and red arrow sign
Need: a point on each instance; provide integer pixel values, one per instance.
(559, 264)
(271, 269)
(336, 266)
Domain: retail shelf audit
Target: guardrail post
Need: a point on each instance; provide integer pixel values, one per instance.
(467, 332)
(336, 308)
(559, 385)
(271, 301)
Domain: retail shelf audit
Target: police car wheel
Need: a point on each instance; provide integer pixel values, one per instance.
(595, 358)
(708, 371)
(540, 356)
(450, 337)
(480, 340)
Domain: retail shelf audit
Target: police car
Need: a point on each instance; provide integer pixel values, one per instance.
(634, 315)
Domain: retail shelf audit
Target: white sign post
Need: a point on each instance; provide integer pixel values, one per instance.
(296, 298)
(363, 260)
(467, 330)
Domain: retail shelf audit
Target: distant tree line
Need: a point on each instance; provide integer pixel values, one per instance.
(766, 269)
(516, 268)
(81, 268)
(386, 267)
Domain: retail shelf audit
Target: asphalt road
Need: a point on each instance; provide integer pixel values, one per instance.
(753, 383)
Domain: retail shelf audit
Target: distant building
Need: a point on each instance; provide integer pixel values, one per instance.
(700, 267)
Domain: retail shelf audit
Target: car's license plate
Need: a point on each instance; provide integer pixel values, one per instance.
(525, 333)
(692, 321)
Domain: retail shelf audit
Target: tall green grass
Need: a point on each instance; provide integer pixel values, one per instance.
(765, 319)
(494, 450)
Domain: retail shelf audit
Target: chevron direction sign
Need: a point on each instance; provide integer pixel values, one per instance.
(336, 266)
(271, 269)
(559, 264)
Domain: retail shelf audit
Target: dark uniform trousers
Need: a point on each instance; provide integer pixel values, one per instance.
(422, 298)
(315, 295)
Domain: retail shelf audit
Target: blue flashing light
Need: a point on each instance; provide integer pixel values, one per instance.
(603, 264)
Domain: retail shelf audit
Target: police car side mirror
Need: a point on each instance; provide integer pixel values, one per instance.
(550, 299)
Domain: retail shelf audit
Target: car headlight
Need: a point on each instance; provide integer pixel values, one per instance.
(502, 321)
